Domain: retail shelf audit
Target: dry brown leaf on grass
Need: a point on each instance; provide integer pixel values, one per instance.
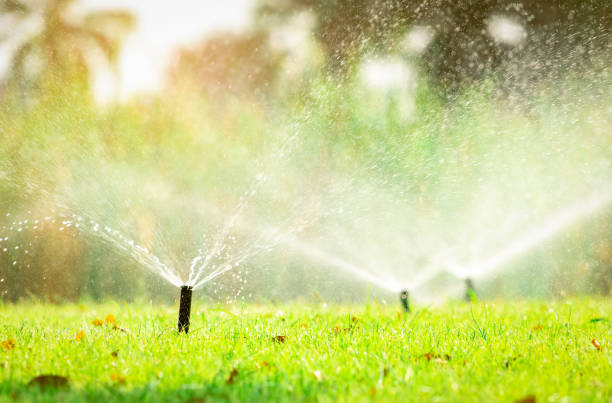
(279, 339)
(121, 329)
(232, 376)
(526, 399)
(49, 381)
(9, 344)
(596, 344)
(79, 336)
(338, 330)
(442, 359)
(117, 378)
(509, 361)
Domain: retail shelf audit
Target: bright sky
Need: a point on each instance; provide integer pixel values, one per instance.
(162, 27)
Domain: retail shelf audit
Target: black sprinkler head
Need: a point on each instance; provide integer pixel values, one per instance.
(185, 309)
(405, 300)
(470, 293)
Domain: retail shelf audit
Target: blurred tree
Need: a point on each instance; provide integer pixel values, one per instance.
(227, 64)
(344, 27)
(463, 47)
(65, 46)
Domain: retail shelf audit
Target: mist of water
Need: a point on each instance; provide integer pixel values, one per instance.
(372, 177)
(538, 233)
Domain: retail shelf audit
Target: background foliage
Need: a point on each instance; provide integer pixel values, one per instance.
(146, 166)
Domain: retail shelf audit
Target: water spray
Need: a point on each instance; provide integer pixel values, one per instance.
(185, 309)
(405, 300)
(470, 292)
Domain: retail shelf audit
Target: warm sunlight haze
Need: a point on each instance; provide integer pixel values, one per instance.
(305, 201)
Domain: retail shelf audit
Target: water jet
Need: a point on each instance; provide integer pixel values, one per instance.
(185, 309)
(405, 300)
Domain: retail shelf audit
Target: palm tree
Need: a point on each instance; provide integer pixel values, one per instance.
(62, 50)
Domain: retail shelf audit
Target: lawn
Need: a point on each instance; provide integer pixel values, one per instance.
(494, 351)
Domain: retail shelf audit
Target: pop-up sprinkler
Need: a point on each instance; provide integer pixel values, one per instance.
(185, 309)
(405, 300)
(470, 292)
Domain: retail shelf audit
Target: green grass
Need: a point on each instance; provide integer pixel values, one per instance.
(496, 351)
